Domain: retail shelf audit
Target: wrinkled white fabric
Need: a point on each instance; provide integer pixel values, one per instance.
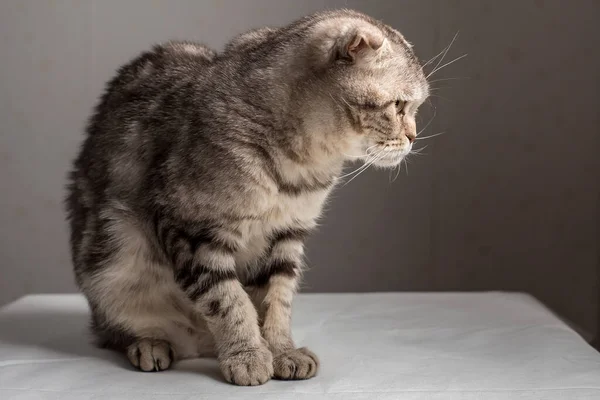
(379, 346)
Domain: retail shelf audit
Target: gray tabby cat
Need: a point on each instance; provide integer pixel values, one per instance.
(202, 174)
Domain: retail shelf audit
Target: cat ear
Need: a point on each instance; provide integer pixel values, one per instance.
(349, 42)
(359, 44)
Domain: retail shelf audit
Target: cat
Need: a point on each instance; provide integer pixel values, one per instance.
(202, 174)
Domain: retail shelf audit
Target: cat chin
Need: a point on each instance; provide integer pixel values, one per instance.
(389, 162)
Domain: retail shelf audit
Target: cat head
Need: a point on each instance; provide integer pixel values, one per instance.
(373, 82)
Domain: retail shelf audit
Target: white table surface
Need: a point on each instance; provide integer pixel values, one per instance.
(372, 346)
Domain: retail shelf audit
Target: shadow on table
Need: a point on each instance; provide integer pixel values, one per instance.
(67, 334)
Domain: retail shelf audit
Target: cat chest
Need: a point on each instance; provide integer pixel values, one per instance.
(284, 212)
(287, 209)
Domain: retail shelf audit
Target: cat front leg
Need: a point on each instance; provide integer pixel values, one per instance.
(273, 288)
(205, 271)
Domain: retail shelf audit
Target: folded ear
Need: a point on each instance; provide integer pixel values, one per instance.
(346, 41)
(359, 44)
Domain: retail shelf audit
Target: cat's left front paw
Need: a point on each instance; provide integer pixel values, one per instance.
(295, 364)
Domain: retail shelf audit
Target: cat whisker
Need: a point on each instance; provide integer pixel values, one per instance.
(418, 151)
(371, 159)
(340, 98)
(428, 101)
(333, 98)
(439, 88)
(397, 172)
(440, 97)
(431, 59)
(380, 155)
(354, 156)
(367, 152)
(428, 123)
(362, 167)
(346, 101)
(447, 64)
(354, 171)
(449, 79)
(430, 136)
(445, 51)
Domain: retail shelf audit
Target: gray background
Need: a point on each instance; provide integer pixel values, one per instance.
(507, 199)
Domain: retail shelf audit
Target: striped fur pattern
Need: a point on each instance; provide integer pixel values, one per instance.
(202, 174)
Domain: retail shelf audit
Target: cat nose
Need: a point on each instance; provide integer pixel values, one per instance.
(411, 137)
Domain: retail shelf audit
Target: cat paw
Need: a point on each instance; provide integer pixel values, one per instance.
(150, 355)
(296, 364)
(249, 367)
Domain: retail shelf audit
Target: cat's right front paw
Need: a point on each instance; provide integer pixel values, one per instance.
(249, 367)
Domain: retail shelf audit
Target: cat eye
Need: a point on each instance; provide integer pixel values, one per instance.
(400, 106)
